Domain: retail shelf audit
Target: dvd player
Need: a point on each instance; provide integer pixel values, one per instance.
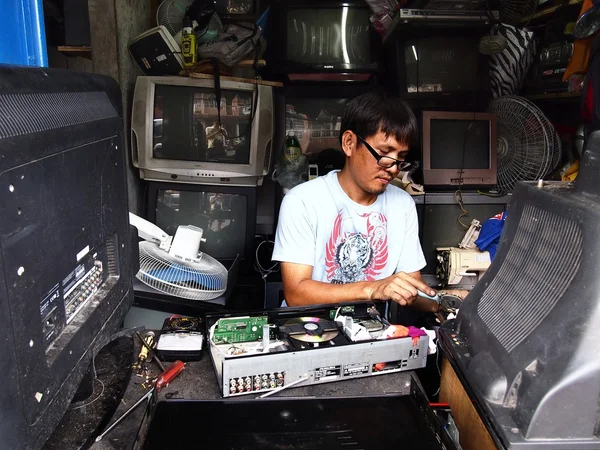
(276, 349)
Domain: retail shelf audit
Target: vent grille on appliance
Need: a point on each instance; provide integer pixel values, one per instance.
(30, 113)
(112, 255)
(541, 263)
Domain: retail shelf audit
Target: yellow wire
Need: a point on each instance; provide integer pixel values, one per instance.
(459, 200)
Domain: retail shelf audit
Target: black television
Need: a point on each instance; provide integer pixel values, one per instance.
(322, 40)
(524, 341)
(435, 67)
(227, 214)
(65, 242)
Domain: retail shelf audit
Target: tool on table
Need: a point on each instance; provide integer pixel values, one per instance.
(148, 347)
(161, 382)
(148, 342)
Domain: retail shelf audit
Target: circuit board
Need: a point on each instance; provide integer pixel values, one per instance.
(239, 329)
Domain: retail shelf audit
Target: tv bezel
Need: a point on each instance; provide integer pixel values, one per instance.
(173, 170)
(251, 207)
(452, 177)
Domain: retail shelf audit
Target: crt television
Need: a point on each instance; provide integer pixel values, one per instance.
(525, 339)
(459, 148)
(178, 133)
(433, 67)
(67, 257)
(321, 37)
(227, 214)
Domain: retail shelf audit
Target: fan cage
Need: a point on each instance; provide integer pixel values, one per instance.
(170, 14)
(531, 148)
(204, 279)
(513, 12)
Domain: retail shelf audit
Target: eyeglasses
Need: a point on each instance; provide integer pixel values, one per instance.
(386, 162)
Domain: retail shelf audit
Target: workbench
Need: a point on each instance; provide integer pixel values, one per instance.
(198, 383)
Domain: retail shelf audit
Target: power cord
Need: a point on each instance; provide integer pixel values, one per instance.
(458, 194)
(265, 272)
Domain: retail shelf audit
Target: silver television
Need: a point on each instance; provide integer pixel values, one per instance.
(180, 134)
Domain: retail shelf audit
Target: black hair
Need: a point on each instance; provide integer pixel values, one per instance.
(372, 112)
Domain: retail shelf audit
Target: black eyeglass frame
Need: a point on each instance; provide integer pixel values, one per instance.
(402, 165)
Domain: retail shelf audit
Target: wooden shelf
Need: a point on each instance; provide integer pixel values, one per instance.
(547, 11)
(73, 50)
(554, 95)
(238, 79)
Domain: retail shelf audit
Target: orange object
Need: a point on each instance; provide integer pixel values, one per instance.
(580, 59)
(379, 367)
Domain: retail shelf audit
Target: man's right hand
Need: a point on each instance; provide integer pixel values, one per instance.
(400, 287)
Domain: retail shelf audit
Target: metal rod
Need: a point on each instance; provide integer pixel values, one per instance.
(147, 395)
(279, 389)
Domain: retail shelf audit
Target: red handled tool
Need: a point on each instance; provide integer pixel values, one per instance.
(161, 382)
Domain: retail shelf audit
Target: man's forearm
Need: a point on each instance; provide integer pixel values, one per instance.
(311, 292)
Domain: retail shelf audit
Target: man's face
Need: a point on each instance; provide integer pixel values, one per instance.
(363, 166)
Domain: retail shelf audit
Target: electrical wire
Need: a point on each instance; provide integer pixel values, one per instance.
(458, 194)
(93, 401)
(265, 272)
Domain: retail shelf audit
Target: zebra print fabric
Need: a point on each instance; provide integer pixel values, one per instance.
(509, 68)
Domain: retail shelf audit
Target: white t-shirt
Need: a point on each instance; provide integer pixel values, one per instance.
(344, 242)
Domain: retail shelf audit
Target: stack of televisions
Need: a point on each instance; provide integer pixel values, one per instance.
(329, 57)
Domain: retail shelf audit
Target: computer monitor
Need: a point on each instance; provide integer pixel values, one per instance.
(459, 148)
(178, 133)
(66, 267)
(227, 214)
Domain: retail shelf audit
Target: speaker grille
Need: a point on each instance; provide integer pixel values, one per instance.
(543, 259)
(30, 113)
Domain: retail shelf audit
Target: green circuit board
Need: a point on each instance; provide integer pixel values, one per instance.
(239, 329)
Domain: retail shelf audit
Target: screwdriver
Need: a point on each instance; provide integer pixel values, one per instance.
(161, 382)
(147, 343)
(435, 298)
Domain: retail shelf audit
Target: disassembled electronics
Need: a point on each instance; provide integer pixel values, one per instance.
(267, 350)
(181, 339)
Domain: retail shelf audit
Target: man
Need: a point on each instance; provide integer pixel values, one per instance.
(349, 235)
(214, 134)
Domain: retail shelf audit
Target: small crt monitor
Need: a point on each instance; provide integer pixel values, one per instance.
(459, 148)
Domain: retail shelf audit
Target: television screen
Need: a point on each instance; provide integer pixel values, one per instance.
(186, 125)
(441, 64)
(222, 216)
(460, 144)
(459, 148)
(330, 36)
(316, 122)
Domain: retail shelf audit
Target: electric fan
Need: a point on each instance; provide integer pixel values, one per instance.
(207, 24)
(174, 265)
(514, 12)
(528, 147)
(170, 14)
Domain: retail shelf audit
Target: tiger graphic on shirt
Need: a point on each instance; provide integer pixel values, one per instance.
(352, 256)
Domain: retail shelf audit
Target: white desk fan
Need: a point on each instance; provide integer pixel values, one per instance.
(174, 265)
